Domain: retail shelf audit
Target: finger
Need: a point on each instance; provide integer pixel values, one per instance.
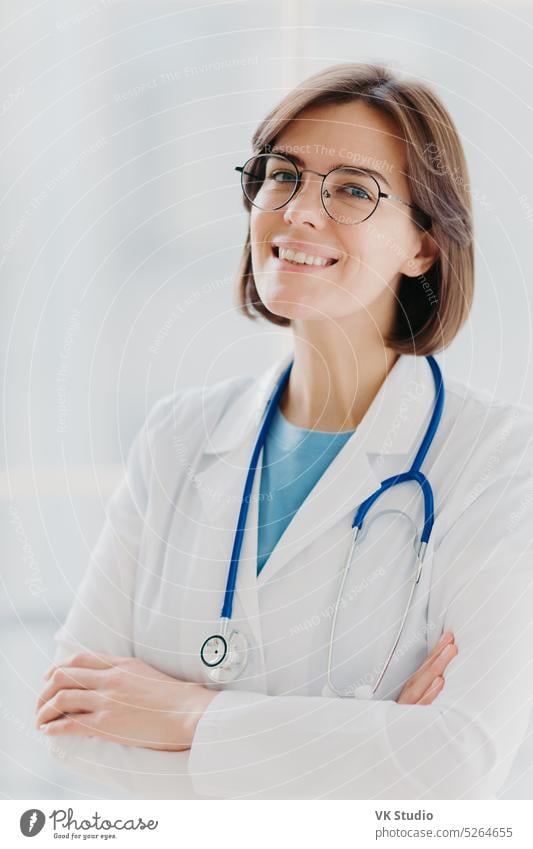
(80, 725)
(446, 639)
(424, 676)
(87, 660)
(427, 665)
(70, 678)
(432, 692)
(66, 701)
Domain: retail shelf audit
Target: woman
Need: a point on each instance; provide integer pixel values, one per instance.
(361, 241)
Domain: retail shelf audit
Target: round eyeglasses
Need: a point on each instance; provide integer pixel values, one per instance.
(349, 195)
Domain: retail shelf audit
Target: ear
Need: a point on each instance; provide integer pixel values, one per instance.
(427, 254)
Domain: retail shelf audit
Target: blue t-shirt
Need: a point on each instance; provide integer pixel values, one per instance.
(294, 459)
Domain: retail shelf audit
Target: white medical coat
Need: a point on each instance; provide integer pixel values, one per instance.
(155, 583)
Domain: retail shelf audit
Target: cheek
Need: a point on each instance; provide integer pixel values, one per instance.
(386, 250)
(262, 224)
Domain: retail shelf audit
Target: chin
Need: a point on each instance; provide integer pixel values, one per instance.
(293, 310)
(302, 301)
(291, 304)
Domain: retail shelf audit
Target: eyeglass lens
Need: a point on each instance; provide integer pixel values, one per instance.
(349, 195)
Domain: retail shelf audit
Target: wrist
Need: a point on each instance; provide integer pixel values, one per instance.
(200, 700)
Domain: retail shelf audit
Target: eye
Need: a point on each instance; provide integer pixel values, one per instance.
(356, 192)
(282, 176)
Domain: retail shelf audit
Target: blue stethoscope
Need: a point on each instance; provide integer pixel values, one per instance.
(225, 654)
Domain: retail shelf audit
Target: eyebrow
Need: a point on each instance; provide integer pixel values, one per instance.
(300, 161)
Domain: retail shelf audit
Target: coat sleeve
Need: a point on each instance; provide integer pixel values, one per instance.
(100, 619)
(461, 746)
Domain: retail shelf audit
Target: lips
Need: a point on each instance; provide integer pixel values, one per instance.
(292, 264)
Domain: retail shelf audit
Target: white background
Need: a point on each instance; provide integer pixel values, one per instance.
(121, 231)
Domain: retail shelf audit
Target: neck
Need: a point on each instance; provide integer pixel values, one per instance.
(335, 377)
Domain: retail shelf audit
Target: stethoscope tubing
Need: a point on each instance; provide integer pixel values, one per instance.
(270, 410)
(412, 475)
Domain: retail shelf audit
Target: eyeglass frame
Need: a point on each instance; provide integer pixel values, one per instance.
(300, 171)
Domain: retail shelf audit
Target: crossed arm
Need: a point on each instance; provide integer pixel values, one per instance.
(124, 722)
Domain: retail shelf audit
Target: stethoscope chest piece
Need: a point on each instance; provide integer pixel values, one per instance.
(214, 650)
(225, 657)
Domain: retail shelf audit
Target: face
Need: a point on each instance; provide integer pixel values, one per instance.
(365, 260)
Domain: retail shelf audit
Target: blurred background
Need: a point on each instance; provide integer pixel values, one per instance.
(121, 232)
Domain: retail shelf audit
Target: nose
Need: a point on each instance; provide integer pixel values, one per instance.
(305, 207)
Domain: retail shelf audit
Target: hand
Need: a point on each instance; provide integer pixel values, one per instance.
(428, 681)
(123, 700)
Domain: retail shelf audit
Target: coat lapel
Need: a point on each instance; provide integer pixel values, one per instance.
(384, 443)
(224, 464)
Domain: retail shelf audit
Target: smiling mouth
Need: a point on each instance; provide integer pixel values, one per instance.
(323, 262)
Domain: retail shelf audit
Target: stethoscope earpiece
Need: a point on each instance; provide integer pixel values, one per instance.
(364, 692)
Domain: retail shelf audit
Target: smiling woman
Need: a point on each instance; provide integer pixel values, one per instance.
(364, 117)
(254, 635)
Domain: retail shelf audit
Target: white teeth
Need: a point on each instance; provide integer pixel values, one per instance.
(301, 257)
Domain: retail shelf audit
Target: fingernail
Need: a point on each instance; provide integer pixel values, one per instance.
(437, 681)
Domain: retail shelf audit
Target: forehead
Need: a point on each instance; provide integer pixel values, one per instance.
(352, 132)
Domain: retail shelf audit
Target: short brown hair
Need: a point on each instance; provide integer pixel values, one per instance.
(438, 179)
